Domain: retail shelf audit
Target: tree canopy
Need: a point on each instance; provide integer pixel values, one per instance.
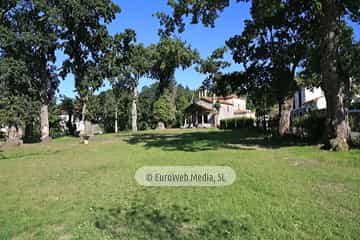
(168, 55)
(85, 40)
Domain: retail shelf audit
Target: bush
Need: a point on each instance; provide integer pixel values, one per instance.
(2, 136)
(55, 128)
(237, 123)
(356, 142)
(354, 121)
(311, 126)
(163, 110)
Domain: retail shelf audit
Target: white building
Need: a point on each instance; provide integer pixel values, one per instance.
(308, 99)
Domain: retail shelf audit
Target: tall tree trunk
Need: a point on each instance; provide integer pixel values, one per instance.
(116, 119)
(83, 110)
(337, 124)
(134, 109)
(83, 129)
(285, 108)
(44, 123)
(69, 123)
(29, 127)
(216, 120)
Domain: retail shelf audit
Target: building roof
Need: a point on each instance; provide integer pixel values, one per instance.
(227, 100)
(206, 103)
(240, 111)
(198, 106)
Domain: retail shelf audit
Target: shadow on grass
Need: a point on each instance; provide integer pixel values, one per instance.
(23, 154)
(212, 140)
(147, 220)
(2, 155)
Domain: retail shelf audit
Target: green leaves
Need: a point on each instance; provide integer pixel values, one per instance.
(212, 66)
(168, 55)
(163, 109)
(16, 104)
(85, 40)
(205, 12)
(128, 61)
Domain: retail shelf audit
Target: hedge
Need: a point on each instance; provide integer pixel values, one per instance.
(311, 125)
(354, 121)
(236, 123)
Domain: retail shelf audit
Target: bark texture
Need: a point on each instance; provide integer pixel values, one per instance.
(284, 116)
(116, 119)
(337, 124)
(134, 110)
(69, 123)
(83, 126)
(83, 111)
(44, 123)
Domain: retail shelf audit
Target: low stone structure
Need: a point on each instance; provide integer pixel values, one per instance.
(13, 135)
(88, 128)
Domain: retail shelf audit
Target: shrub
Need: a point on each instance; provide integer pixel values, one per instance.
(356, 142)
(355, 105)
(311, 126)
(236, 123)
(163, 109)
(55, 128)
(354, 121)
(2, 136)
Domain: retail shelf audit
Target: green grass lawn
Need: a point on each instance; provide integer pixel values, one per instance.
(66, 190)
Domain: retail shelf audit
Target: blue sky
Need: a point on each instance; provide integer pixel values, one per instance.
(137, 14)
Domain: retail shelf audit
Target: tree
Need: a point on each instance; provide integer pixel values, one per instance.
(67, 105)
(326, 17)
(168, 55)
(104, 106)
(14, 99)
(129, 63)
(147, 97)
(347, 62)
(270, 42)
(330, 13)
(85, 40)
(163, 111)
(32, 26)
(43, 58)
(273, 42)
(183, 100)
(212, 66)
(198, 10)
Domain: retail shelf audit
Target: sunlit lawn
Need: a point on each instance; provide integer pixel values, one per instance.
(55, 190)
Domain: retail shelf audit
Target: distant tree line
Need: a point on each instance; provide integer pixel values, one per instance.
(110, 108)
(33, 32)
